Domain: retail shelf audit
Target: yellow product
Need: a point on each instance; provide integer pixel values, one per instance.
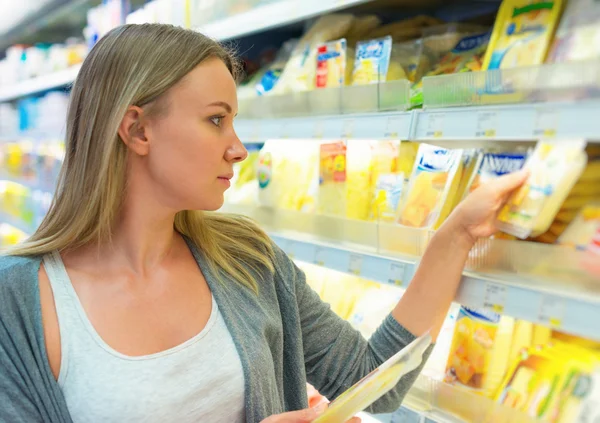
(372, 61)
(479, 353)
(522, 33)
(470, 160)
(286, 174)
(578, 33)
(582, 230)
(434, 173)
(332, 179)
(408, 61)
(372, 307)
(554, 168)
(385, 183)
(522, 338)
(373, 386)
(359, 162)
(244, 184)
(331, 64)
(541, 335)
(591, 172)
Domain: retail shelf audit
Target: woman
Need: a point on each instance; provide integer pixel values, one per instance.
(133, 302)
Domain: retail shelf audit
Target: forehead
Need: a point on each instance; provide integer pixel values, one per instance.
(207, 83)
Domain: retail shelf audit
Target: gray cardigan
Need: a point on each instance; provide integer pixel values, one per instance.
(285, 336)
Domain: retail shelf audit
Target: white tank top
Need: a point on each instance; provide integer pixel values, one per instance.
(200, 380)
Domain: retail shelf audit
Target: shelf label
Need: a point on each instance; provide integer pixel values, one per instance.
(320, 253)
(355, 264)
(392, 127)
(552, 311)
(404, 415)
(396, 276)
(486, 124)
(319, 125)
(347, 128)
(435, 125)
(495, 298)
(546, 123)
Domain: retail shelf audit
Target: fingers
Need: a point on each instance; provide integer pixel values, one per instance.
(354, 420)
(508, 183)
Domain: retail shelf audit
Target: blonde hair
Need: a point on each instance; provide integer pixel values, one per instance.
(135, 65)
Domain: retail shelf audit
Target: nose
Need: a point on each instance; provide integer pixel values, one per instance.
(237, 151)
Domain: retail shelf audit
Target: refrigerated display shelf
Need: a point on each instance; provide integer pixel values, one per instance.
(32, 185)
(17, 223)
(536, 282)
(39, 84)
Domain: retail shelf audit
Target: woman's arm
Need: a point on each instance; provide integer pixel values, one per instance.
(425, 303)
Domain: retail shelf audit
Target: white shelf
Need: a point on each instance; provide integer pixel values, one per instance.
(276, 14)
(39, 84)
(519, 122)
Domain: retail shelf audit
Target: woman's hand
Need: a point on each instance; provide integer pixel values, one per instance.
(302, 416)
(475, 217)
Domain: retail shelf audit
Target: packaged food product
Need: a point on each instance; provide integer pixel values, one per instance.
(244, 186)
(493, 165)
(372, 307)
(408, 61)
(581, 231)
(331, 64)
(522, 33)
(332, 179)
(377, 383)
(434, 173)
(360, 160)
(554, 168)
(406, 29)
(372, 61)
(470, 159)
(578, 34)
(385, 184)
(480, 350)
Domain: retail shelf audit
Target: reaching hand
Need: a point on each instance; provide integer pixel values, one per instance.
(476, 215)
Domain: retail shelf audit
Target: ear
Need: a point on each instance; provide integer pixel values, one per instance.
(133, 132)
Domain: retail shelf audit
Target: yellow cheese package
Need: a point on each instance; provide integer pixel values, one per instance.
(554, 167)
(578, 33)
(493, 165)
(244, 185)
(581, 231)
(331, 64)
(359, 164)
(470, 160)
(433, 177)
(522, 33)
(479, 355)
(332, 179)
(377, 383)
(372, 61)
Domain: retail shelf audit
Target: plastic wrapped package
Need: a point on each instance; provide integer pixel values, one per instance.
(578, 34)
(492, 165)
(244, 185)
(331, 64)
(372, 307)
(582, 229)
(287, 174)
(372, 61)
(404, 30)
(522, 33)
(332, 179)
(359, 165)
(433, 184)
(410, 58)
(554, 168)
(299, 73)
(387, 181)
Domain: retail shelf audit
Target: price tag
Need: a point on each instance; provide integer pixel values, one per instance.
(435, 125)
(495, 298)
(320, 253)
(404, 415)
(319, 124)
(552, 311)
(486, 124)
(347, 128)
(546, 123)
(392, 127)
(355, 264)
(396, 276)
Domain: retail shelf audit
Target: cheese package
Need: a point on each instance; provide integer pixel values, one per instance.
(553, 170)
(522, 33)
(493, 165)
(360, 160)
(377, 383)
(331, 64)
(470, 161)
(244, 186)
(434, 173)
(581, 231)
(332, 179)
(578, 34)
(479, 355)
(372, 61)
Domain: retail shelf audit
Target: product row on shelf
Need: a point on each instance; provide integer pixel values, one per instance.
(516, 370)
(347, 50)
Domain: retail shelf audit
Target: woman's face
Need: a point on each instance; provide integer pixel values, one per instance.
(192, 144)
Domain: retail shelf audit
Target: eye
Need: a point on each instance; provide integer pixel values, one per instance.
(217, 120)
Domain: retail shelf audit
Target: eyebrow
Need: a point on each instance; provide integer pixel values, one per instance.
(223, 105)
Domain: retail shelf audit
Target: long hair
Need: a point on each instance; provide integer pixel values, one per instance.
(135, 65)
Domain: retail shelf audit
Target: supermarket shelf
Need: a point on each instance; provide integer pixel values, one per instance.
(39, 84)
(507, 122)
(272, 15)
(16, 223)
(539, 283)
(33, 185)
